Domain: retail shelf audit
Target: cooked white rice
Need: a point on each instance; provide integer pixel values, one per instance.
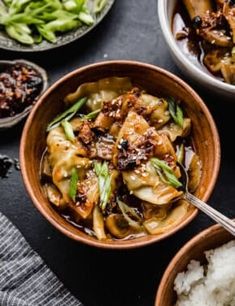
(210, 285)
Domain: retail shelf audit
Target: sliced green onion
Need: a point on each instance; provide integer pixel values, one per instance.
(180, 153)
(70, 5)
(99, 5)
(91, 115)
(104, 180)
(67, 115)
(175, 112)
(106, 192)
(8, 2)
(20, 32)
(73, 184)
(165, 172)
(233, 54)
(86, 18)
(68, 130)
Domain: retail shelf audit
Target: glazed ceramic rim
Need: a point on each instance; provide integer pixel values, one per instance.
(189, 67)
(193, 242)
(131, 243)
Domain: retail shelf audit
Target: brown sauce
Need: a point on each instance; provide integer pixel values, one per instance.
(86, 226)
(190, 43)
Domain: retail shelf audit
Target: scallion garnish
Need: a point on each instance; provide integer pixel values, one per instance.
(104, 180)
(175, 112)
(99, 5)
(233, 53)
(73, 184)
(68, 130)
(67, 115)
(165, 172)
(180, 153)
(86, 18)
(91, 115)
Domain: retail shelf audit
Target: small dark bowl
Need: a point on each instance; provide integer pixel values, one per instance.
(155, 81)
(9, 122)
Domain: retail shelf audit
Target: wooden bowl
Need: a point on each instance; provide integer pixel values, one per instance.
(211, 238)
(156, 81)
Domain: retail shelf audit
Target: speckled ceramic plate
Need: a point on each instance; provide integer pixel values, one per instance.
(10, 44)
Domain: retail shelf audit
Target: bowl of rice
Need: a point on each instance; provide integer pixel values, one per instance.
(202, 273)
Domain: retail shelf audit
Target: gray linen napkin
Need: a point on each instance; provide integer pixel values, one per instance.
(25, 280)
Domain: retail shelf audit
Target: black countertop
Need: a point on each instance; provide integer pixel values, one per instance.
(99, 277)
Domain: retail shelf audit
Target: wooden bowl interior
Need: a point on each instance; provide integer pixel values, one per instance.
(155, 81)
(194, 249)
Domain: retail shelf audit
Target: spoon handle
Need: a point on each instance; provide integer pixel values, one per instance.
(224, 221)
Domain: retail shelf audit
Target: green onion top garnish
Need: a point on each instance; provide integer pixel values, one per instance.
(67, 115)
(180, 153)
(233, 53)
(86, 18)
(99, 5)
(91, 115)
(68, 130)
(165, 172)
(73, 184)
(175, 112)
(104, 180)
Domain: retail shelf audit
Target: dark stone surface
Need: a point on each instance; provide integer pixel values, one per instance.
(98, 277)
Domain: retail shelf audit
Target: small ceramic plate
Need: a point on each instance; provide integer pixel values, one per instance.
(10, 44)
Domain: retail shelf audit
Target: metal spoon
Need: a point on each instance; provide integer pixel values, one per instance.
(224, 221)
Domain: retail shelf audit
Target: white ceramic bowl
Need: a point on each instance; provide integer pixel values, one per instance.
(198, 76)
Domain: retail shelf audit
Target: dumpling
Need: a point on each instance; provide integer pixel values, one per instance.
(100, 91)
(176, 214)
(137, 141)
(146, 185)
(158, 110)
(130, 147)
(173, 130)
(87, 196)
(63, 157)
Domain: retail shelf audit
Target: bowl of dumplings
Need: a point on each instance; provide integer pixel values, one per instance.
(101, 154)
(201, 38)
